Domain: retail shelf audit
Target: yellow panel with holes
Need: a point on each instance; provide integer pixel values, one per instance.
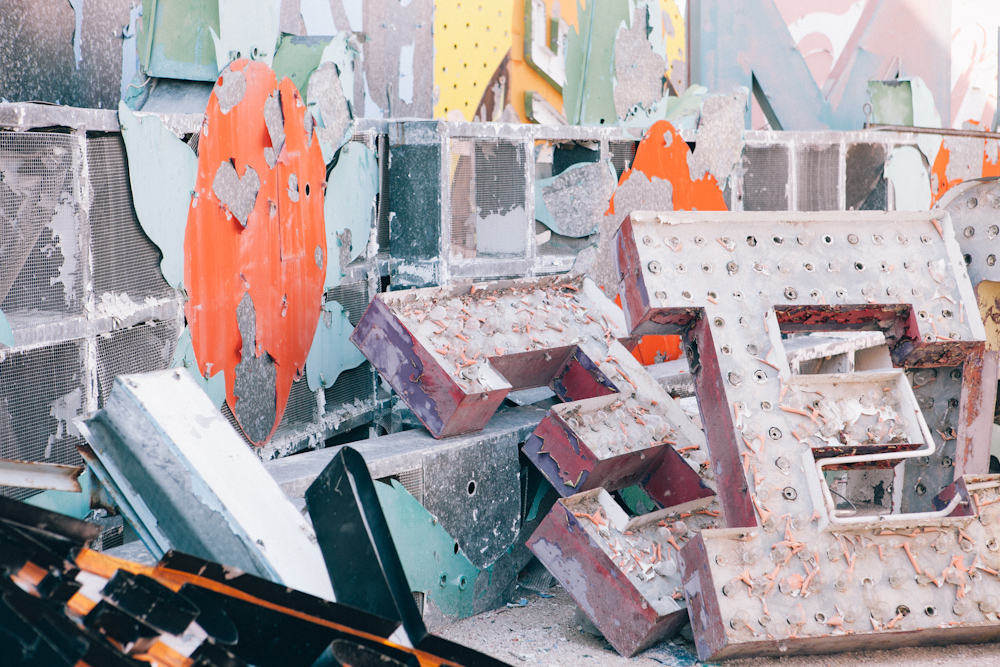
(471, 37)
(674, 39)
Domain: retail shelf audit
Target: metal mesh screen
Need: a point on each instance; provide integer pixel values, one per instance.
(41, 392)
(125, 260)
(622, 154)
(765, 183)
(353, 298)
(139, 349)
(40, 255)
(817, 171)
(382, 232)
(413, 481)
(355, 383)
(302, 407)
(488, 189)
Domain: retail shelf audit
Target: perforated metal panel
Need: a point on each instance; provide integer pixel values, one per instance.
(818, 172)
(139, 349)
(765, 183)
(125, 260)
(40, 259)
(41, 391)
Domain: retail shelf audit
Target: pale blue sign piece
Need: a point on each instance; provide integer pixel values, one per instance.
(162, 171)
(349, 204)
(214, 386)
(332, 351)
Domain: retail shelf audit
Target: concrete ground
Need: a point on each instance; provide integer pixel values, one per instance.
(544, 632)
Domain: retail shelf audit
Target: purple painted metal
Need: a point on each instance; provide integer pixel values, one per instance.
(432, 393)
(609, 599)
(405, 344)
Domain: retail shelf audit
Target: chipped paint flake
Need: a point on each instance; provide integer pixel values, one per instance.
(162, 170)
(332, 351)
(638, 68)
(330, 109)
(64, 233)
(719, 142)
(255, 378)
(6, 333)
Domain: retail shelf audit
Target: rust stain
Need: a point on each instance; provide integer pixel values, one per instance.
(279, 257)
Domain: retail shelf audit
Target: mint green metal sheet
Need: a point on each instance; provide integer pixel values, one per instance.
(162, 171)
(332, 351)
(179, 45)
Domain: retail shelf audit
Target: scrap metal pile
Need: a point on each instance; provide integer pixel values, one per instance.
(805, 517)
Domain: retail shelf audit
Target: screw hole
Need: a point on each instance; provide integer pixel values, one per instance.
(471, 488)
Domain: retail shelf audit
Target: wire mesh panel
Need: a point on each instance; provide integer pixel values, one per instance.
(352, 297)
(382, 232)
(488, 190)
(139, 349)
(818, 171)
(40, 255)
(765, 183)
(351, 385)
(41, 392)
(125, 260)
(622, 154)
(302, 407)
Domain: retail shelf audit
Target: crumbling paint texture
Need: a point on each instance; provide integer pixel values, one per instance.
(297, 57)
(349, 207)
(255, 378)
(273, 259)
(572, 202)
(392, 26)
(330, 108)
(37, 59)
(639, 69)
(719, 142)
(659, 180)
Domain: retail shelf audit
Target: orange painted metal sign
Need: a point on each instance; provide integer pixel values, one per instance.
(255, 246)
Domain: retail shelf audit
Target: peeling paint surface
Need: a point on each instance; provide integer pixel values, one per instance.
(162, 170)
(719, 142)
(638, 68)
(64, 238)
(571, 203)
(272, 260)
(349, 205)
(659, 180)
(330, 108)
(332, 351)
